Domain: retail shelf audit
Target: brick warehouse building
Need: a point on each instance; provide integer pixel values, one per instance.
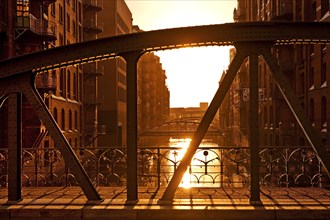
(73, 95)
(117, 20)
(25, 27)
(306, 66)
(153, 94)
(42, 24)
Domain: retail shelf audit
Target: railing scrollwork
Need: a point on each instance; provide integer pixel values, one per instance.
(210, 167)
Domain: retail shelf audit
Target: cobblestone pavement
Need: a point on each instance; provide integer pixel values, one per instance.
(277, 195)
(196, 203)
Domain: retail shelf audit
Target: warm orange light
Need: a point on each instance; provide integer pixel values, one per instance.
(192, 74)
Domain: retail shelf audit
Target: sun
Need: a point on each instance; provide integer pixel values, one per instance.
(193, 74)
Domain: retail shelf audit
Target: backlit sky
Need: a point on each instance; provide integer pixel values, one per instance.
(192, 73)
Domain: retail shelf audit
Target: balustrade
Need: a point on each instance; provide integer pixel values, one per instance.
(210, 167)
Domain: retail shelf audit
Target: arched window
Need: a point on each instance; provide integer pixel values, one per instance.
(311, 78)
(324, 142)
(69, 84)
(324, 112)
(277, 140)
(302, 83)
(76, 120)
(314, 11)
(62, 82)
(311, 110)
(303, 105)
(265, 117)
(75, 86)
(55, 114)
(70, 120)
(271, 116)
(323, 74)
(301, 141)
(324, 7)
(63, 120)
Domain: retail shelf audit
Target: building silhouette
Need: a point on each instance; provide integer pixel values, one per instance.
(87, 101)
(92, 26)
(155, 96)
(117, 20)
(25, 28)
(65, 99)
(233, 112)
(306, 67)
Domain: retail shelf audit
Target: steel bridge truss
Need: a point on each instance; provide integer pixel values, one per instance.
(180, 127)
(252, 40)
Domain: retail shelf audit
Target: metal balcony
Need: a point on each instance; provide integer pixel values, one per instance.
(238, 15)
(92, 27)
(44, 81)
(96, 5)
(41, 27)
(94, 73)
(92, 100)
(99, 130)
(47, 2)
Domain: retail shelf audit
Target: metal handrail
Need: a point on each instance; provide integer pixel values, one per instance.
(211, 166)
(38, 26)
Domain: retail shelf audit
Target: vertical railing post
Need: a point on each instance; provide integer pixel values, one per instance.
(131, 59)
(15, 147)
(254, 129)
(158, 166)
(287, 167)
(66, 175)
(221, 167)
(36, 160)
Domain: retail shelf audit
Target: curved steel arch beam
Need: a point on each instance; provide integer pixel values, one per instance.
(208, 35)
(3, 99)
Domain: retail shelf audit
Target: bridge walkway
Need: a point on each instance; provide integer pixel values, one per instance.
(194, 203)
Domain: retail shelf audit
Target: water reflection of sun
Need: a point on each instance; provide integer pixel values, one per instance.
(178, 155)
(201, 159)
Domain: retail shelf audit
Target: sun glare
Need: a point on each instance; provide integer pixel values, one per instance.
(192, 74)
(183, 144)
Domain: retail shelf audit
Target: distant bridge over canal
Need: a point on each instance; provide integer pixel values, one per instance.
(181, 128)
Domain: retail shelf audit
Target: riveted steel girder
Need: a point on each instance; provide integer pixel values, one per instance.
(209, 35)
(10, 92)
(132, 126)
(14, 147)
(254, 127)
(60, 141)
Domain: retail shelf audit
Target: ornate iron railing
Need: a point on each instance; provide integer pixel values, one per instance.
(211, 167)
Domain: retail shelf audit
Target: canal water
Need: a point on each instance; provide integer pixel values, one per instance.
(205, 166)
